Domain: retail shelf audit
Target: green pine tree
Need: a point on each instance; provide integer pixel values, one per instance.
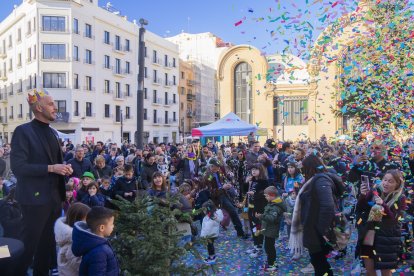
(147, 239)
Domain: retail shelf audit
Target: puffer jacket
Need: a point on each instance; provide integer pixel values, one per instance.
(387, 241)
(271, 218)
(68, 264)
(98, 258)
(211, 225)
(146, 174)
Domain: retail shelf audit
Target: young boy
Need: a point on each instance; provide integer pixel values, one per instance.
(270, 219)
(89, 241)
(126, 185)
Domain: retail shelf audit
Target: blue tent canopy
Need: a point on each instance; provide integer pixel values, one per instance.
(229, 125)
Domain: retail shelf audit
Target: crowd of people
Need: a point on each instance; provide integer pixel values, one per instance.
(65, 196)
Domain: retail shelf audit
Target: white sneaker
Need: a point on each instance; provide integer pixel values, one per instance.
(308, 269)
(256, 253)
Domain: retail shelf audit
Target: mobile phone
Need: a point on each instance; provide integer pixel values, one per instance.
(365, 181)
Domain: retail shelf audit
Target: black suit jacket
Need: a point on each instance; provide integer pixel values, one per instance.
(30, 155)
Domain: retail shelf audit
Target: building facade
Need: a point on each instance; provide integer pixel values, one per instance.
(84, 56)
(161, 98)
(187, 99)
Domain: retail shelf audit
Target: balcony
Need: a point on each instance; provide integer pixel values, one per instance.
(118, 72)
(3, 53)
(156, 61)
(108, 91)
(191, 97)
(118, 49)
(3, 120)
(89, 89)
(119, 95)
(168, 103)
(20, 90)
(64, 31)
(76, 114)
(191, 82)
(157, 121)
(88, 35)
(3, 97)
(11, 93)
(169, 83)
(10, 117)
(88, 61)
(156, 101)
(107, 66)
(20, 116)
(157, 81)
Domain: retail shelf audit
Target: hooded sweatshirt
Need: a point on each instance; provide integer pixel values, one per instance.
(98, 258)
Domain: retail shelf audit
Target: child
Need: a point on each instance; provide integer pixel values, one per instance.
(270, 220)
(126, 185)
(210, 228)
(69, 198)
(118, 172)
(107, 191)
(293, 179)
(172, 175)
(87, 178)
(74, 182)
(89, 241)
(94, 198)
(256, 203)
(290, 204)
(68, 264)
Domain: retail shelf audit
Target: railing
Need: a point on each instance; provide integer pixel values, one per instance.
(157, 81)
(156, 101)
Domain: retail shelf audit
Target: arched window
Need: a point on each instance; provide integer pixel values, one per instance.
(243, 95)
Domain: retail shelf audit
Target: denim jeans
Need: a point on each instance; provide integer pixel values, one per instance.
(227, 205)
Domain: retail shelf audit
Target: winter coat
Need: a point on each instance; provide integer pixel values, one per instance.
(146, 174)
(96, 200)
(258, 200)
(186, 168)
(99, 173)
(68, 264)
(124, 185)
(211, 225)
(387, 241)
(79, 167)
(318, 211)
(272, 215)
(11, 219)
(98, 258)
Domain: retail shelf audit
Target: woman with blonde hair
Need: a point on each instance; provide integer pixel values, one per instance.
(379, 228)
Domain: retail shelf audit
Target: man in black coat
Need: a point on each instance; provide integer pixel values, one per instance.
(36, 161)
(80, 164)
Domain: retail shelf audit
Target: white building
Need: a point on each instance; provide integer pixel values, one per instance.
(161, 103)
(203, 50)
(83, 55)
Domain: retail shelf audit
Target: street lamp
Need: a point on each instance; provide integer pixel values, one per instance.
(139, 134)
(122, 127)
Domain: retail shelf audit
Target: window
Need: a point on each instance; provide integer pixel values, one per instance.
(61, 106)
(166, 60)
(127, 90)
(166, 98)
(182, 90)
(88, 109)
(75, 53)
(107, 111)
(107, 62)
(154, 56)
(10, 64)
(145, 72)
(10, 41)
(154, 96)
(53, 23)
(75, 81)
(145, 114)
(117, 113)
(127, 65)
(127, 112)
(182, 75)
(118, 90)
(127, 45)
(75, 26)
(54, 51)
(88, 30)
(243, 95)
(106, 37)
(88, 80)
(145, 94)
(20, 89)
(54, 80)
(11, 112)
(174, 98)
(20, 111)
(117, 66)
(29, 28)
(107, 85)
(290, 111)
(34, 51)
(19, 35)
(166, 78)
(174, 116)
(166, 117)
(88, 56)
(117, 43)
(174, 62)
(155, 116)
(182, 106)
(145, 51)
(19, 60)
(76, 108)
(174, 81)
(155, 76)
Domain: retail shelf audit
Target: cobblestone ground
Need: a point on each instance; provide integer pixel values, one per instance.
(232, 259)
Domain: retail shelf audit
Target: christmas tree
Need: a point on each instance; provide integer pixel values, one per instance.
(377, 82)
(147, 240)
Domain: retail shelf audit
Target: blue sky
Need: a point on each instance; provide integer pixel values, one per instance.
(257, 20)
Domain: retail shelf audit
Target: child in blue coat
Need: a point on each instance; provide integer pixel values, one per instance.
(89, 241)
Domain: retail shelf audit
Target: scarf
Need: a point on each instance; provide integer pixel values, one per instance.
(296, 230)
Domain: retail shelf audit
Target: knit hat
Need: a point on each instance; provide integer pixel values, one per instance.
(88, 174)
